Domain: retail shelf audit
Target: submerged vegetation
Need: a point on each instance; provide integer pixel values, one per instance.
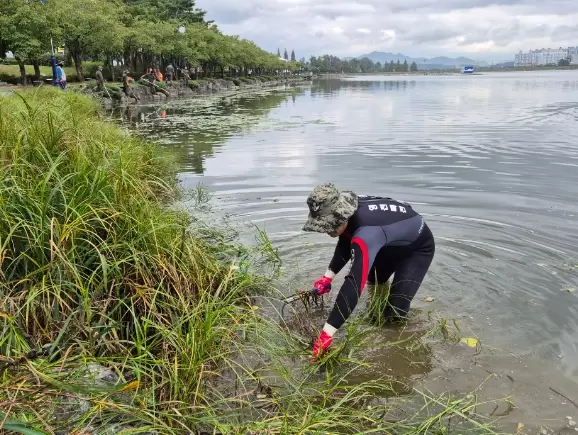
(122, 312)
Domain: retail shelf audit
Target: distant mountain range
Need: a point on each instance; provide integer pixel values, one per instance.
(441, 62)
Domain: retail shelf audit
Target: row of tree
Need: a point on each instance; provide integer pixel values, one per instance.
(136, 34)
(333, 64)
(286, 56)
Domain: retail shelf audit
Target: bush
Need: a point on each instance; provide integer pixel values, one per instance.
(89, 250)
(90, 68)
(8, 61)
(15, 79)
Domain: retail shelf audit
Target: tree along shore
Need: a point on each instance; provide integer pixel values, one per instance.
(132, 34)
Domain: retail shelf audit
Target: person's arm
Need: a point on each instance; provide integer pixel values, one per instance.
(365, 245)
(340, 257)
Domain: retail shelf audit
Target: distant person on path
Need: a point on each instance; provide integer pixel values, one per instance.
(169, 73)
(382, 237)
(126, 86)
(150, 77)
(186, 76)
(61, 75)
(99, 80)
(158, 75)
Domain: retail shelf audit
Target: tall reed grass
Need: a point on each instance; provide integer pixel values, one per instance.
(98, 270)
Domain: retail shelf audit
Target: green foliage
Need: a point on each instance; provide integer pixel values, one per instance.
(88, 28)
(378, 302)
(146, 33)
(181, 11)
(25, 29)
(96, 260)
(90, 68)
(333, 64)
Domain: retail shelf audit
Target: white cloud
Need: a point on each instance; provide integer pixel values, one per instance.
(484, 29)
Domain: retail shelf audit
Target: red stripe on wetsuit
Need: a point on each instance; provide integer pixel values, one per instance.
(365, 259)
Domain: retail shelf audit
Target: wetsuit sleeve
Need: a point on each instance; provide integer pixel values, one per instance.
(365, 245)
(341, 255)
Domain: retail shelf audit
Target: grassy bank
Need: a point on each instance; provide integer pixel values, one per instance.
(121, 313)
(11, 73)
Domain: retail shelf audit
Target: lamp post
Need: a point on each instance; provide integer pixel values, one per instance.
(53, 63)
(52, 57)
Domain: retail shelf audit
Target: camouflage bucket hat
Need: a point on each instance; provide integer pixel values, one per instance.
(329, 208)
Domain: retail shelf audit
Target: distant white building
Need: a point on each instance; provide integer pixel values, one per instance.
(544, 56)
(573, 54)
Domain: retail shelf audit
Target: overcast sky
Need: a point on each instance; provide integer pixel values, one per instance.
(481, 29)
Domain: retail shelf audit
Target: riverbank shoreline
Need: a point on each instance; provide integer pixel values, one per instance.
(113, 95)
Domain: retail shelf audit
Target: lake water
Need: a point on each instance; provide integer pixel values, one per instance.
(490, 161)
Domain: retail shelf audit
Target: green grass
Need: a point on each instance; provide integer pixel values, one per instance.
(99, 266)
(46, 71)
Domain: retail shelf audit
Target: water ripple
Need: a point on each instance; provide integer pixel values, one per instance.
(490, 161)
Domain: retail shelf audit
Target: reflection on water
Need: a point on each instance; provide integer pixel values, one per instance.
(196, 128)
(490, 161)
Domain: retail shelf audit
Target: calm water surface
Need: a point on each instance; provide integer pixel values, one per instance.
(491, 162)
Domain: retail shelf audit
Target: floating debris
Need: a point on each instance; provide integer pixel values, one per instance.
(470, 342)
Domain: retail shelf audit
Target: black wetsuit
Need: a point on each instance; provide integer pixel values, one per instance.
(384, 236)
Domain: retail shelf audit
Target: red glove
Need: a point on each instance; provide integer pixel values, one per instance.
(322, 343)
(322, 286)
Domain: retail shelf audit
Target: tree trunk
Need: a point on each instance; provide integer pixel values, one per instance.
(36, 64)
(78, 64)
(77, 58)
(22, 70)
(112, 71)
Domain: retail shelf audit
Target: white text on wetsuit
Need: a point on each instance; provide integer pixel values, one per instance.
(384, 207)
